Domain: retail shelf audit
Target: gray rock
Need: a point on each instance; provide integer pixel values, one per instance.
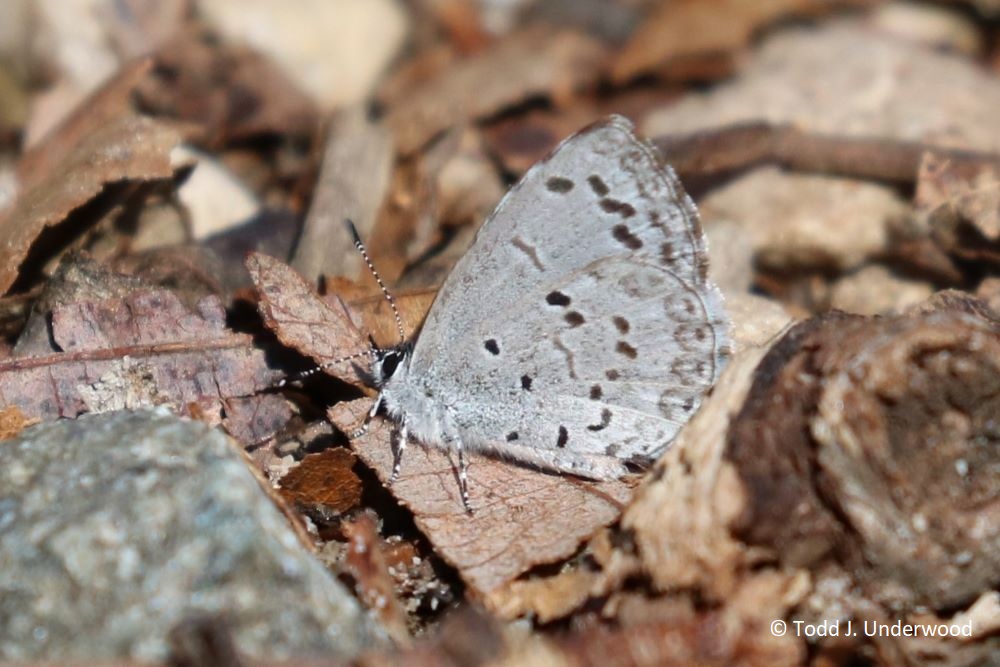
(115, 527)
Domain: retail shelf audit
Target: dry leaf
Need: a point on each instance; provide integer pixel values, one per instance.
(125, 148)
(110, 103)
(144, 349)
(323, 482)
(253, 419)
(521, 141)
(13, 421)
(366, 562)
(532, 64)
(522, 517)
(377, 320)
(319, 329)
(681, 32)
(142, 317)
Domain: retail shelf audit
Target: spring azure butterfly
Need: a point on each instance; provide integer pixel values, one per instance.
(580, 330)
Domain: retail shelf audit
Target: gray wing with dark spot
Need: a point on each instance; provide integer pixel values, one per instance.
(580, 328)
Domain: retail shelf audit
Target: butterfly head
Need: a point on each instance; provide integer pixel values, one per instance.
(391, 363)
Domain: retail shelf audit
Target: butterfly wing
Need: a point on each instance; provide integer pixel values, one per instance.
(580, 329)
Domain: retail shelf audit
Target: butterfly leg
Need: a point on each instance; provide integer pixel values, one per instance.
(402, 438)
(361, 430)
(463, 475)
(454, 442)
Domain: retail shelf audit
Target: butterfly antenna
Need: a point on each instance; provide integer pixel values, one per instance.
(294, 377)
(371, 267)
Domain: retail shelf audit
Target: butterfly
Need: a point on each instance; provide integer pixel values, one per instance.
(578, 333)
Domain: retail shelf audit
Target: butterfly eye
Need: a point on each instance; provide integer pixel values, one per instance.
(390, 362)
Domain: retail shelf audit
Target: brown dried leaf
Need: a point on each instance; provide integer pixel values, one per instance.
(254, 419)
(682, 32)
(78, 277)
(366, 562)
(376, 316)
(521, 141)
(109, 103)
(13, 421)
(144, 349)
(141, 318)
(324, 482)
(530, 64)
(125, 148)
(302, 320)
(522, 517)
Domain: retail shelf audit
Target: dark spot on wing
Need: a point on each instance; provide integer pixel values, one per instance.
(558, 184)
(512, 436)
(612, 450)
(625, 236)
(621, 324)
(700, 334)
(654, 219)
(526, 382)
(684, 371)
(563, 437)
(666, 402)
(700, 369)
(624, 209)
(557, 298)
(689, 306)
(703, 267)
(605, 420)
(596, 392)
(667, 253)
(492, 346)
(611, 374)
(688, 404)
(624, 348)
(599, 187)
(574, 318)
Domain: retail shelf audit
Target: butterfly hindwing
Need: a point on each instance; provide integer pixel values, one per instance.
(580, 329)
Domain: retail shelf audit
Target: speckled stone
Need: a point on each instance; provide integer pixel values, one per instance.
(115, 527)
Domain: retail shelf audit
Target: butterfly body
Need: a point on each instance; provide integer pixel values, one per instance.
(580, 330)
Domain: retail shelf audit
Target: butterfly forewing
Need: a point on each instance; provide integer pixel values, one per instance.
(580, 329)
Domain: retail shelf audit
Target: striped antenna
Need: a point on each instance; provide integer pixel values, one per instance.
(371, 267)
(295, 377)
